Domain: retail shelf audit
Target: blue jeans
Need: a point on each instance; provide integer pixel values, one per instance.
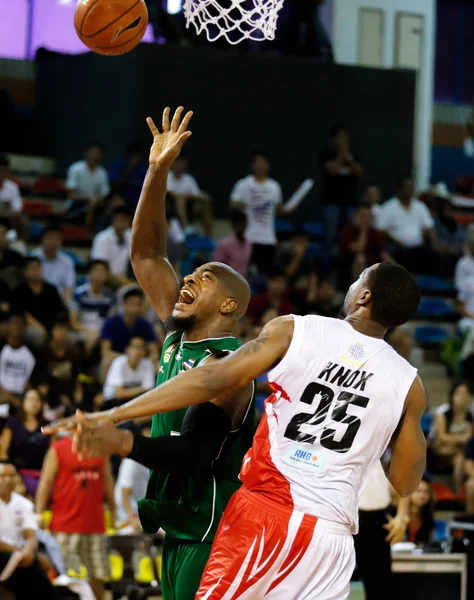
(335, 217)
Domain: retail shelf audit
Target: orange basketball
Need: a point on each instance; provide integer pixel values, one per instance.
(111, 27)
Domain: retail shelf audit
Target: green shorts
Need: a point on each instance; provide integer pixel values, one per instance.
(183, 565)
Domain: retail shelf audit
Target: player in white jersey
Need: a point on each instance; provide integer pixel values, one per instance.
(341, 397)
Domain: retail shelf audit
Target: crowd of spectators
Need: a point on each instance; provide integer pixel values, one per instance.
(69, 341)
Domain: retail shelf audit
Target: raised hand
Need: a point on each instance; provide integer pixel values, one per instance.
(167, 145)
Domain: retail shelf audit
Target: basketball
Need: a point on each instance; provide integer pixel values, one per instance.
(110, 27)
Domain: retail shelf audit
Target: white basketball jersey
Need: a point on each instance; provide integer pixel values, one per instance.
(338, 398)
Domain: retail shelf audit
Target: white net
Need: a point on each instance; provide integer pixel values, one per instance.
(236, 20)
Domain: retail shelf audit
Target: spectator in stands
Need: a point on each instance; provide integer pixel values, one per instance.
(322, 298)
(129, 375)
(453, 429)
(465, 304)
(92, 303)
(360, 246)
(189, 199)
(464, 271)
(113, 244)
(38, 301)
(261, 199)
(17, 364)
(131, 485)
(62, 360)
(235, 250)
(120, 329)
(77, 489)
(275, 298)
(11, 262)
(11, 203)
(127, 175)
(409, 228)
(293, 257)
(18, 534)
(112, 202)
(421, 524)
(58, 267)
(87, 182)
(22, 441)
(341, 172)
(372, 197)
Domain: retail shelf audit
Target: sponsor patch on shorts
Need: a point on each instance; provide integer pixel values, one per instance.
(305, 458)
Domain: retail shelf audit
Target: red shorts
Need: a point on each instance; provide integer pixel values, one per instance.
(263, 550)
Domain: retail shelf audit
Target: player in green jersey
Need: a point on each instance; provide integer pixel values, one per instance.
(194, 454)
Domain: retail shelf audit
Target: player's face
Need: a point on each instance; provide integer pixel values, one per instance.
(199, 294)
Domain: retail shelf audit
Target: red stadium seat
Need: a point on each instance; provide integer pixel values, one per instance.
(48, 185)
(37, 208)
(443, 493)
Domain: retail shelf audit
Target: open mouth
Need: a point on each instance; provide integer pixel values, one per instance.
(185, 297)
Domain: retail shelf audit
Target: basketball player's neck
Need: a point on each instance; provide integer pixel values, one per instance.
(366, 326)
(205, 331)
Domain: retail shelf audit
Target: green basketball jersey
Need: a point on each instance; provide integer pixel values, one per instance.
(190, 507)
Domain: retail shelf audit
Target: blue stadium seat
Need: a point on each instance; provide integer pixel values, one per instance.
(430, 283)
(283, 226)
(430, 334)
(314, 250)
(36, 229)
(315, 229)
(440, 531)
(201, 243)
(433, 307)
(78, 261)
(80, 280)
(426, 422)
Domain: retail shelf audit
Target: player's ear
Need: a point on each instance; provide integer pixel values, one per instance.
(364, 298)
(228, 306)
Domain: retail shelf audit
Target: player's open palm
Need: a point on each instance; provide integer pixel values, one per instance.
(167, 145)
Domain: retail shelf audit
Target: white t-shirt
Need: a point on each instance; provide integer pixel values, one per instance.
(10, 197)
(376, 494)
(406, 225)
(106, 246)
(176, 231)
(16, 367)
(466, 295)
(464, 272)
(132, 476)
(376, 210)
(260, 200)
(184, 185)
(121, 374)
(85, 182)
(16, 517)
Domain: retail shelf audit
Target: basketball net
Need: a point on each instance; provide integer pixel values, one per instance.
(236, 20)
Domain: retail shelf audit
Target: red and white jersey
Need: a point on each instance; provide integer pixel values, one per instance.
(338, 398)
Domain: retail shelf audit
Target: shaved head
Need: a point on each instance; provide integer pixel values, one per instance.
(234, 284)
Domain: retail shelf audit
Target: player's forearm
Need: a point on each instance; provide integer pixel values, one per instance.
(149, 228)
(193, 387)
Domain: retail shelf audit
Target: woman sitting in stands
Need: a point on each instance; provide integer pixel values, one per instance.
(421, 525)
(23, 443)
(453, 428)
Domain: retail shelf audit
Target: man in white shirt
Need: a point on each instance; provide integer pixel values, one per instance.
(188, 197)
(113, 244)
(58, 267)
(87, 182)
(18, 543)
(131, 485)
(260, 197)
(11, 203)
(465, 266)
(409, 227)
(130, 374)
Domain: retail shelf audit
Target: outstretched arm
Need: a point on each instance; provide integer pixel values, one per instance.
(205, 383)
(408, 462)
(148, 253)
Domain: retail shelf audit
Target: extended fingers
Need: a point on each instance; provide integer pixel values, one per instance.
(176, 118)
(60, 425)
(185, 122)
(152, 126)
(166, 119)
